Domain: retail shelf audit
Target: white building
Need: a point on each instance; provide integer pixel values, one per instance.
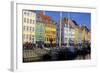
(29, 21)
(67, 32)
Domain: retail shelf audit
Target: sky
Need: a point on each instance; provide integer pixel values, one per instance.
(79, 17)
(54, 15)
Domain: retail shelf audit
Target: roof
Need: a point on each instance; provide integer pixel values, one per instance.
(67, 21)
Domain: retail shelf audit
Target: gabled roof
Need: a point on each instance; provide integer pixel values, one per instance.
(71, 23)
(44, 17)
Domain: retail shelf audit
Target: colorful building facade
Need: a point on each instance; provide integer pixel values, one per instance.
(39, 32)
(72, 34)
(47, 28)
(40, 29)
(86, 34)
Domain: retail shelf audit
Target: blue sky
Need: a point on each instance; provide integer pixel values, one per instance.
(79, 17)
(55, 15)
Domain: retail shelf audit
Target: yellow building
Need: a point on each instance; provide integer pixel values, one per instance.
(89, 37)
(29, 21)
(50, 33)
(84, 34)
(76, 35)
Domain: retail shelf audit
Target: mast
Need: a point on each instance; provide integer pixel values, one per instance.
(68, 30)
(60, 28)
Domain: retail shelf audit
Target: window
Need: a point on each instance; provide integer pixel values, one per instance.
(47, 39)
(25, 20)
(30, 13)
(30, 37)
(30, 28)
(27, 28)
(30, 21)
(24, 13)
(33, 38)
(24, 36)
(33, 28)
(65, 25)
(27, 13)
(33, 22)
(24, 27)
